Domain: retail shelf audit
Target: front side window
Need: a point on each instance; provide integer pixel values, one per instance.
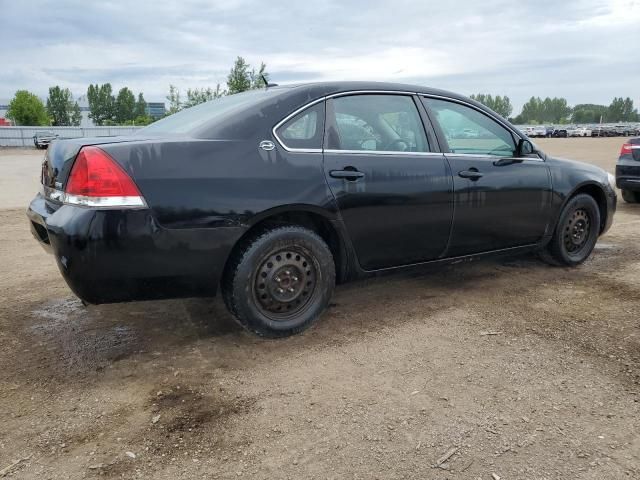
(304, 130)
(469, 131)
(383, 123)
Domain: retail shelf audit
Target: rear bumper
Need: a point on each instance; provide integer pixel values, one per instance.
(628, 175)
(110, 256)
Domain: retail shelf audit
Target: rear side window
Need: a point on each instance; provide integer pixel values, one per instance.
(374, 122)
(304, 130)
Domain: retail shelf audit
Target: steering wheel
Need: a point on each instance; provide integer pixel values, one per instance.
(397, 145)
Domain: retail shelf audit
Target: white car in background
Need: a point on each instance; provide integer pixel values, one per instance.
(579, 132)
(539, 131)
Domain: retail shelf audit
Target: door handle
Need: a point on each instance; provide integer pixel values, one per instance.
(347, 174)
(471, 174)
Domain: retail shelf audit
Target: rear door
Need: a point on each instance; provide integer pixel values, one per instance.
(393, 188)
(501, 200)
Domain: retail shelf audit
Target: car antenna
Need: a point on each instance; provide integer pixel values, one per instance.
(266, 82)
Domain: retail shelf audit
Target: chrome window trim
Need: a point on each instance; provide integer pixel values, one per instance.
(488, 114)
(323, 99)
(383, 152)
(493, 157)
(289, 117)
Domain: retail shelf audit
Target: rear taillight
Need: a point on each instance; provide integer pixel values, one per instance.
(627, 149)
(96, 180)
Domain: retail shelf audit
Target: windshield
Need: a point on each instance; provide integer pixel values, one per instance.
(191, 118)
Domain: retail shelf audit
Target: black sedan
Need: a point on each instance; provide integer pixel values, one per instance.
(274, 195)
(628, 171)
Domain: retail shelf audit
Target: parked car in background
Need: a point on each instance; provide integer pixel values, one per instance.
(44, 138)
(274, 195)
(540, 131)
(560, 133)
(579, 132)
(628, 170)
(625, 130)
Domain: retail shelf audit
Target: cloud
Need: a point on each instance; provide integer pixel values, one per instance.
(581, 49)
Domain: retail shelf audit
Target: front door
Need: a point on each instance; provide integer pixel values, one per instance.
(393, 190)
(501, 200)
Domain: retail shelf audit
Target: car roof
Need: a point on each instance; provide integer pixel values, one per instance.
(332, 87)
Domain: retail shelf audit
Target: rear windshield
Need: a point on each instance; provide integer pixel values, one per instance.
(191, 118)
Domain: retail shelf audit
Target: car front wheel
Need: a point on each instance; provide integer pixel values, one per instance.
(279, 282)
(576, 233)
(630, 196)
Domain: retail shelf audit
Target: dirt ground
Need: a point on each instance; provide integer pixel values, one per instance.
(511, 367)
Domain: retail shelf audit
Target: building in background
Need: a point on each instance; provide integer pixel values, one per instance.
(156, 110)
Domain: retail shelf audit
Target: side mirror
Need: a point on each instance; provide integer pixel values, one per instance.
(525, 147)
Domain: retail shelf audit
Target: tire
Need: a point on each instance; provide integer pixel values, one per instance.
(279, 282)
(630, 196)
(576, 233)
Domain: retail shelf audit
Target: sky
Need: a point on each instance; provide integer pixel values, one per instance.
(587, 51)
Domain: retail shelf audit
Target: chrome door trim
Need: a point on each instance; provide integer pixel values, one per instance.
(383, 152)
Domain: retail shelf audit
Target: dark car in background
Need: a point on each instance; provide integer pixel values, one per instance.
(628, 170)
(43, 139)
(560, 133)
(273, 196)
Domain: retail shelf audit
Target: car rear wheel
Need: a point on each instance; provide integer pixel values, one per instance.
(630, 196)
(279, 282)
(576, 233)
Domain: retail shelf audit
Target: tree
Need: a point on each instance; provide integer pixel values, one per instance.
(500, 105)
(101, 104)
(141, 106)
(27, 109)
(60, 107)
(175, 105)
(257, 80)
(239, 79)
(589, 113)
(536, 110)
(76, 115)
(125, 106)
(621, 110)
(201, 95)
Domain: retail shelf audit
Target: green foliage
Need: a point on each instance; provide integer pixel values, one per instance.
(140, 120)
(201, 95)
(621, 110)
(175, 105)
(501, 105)
(257, 78)
(101, 104)
(64, 112)
(239, 79)
(549, 110)
(76, 115)
(125, 106)
(27, 109)
(589, 113)
(141, 106)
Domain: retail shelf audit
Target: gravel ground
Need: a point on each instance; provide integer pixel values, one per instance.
(507, 367)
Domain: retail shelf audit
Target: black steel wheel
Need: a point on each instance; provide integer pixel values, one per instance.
(576, 232)
(279, 282)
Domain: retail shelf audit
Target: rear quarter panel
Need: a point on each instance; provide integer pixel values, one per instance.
(199, 183)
